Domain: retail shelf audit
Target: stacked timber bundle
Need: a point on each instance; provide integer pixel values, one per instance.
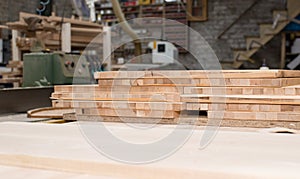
(248, 98)
(252, 99)
(46, 32)
(14, 77)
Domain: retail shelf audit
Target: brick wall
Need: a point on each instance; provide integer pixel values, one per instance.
(10, 12)
(10, 9)
(223, 12)
(59, 7)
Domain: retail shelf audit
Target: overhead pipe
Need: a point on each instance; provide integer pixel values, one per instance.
(127, 28)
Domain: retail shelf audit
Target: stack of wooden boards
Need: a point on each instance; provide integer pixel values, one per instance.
(14, 76)
(47, 31)
(244, 98)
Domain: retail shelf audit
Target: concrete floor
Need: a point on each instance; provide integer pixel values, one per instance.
(40, 150)
(20, 117)
(14, 117)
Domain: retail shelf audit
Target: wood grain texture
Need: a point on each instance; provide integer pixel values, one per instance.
(128, 113)
(249, 98)
(49, 112)
(133, 105)
(214, 82)
(199, 74)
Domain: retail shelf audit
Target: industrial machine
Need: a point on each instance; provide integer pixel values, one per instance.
(46, 69)
(163, 52)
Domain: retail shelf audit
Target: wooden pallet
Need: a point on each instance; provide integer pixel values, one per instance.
(15, 75)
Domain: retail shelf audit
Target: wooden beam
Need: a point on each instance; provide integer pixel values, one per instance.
(16, 53)
(107, 48)
(66, 37)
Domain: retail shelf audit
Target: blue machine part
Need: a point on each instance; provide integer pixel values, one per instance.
(293, 26)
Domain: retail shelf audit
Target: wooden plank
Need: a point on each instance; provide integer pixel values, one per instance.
(227, 90)
(78, 23)
(17, 26)
(244, 107)
(256, 90)
(76, 38)
(199, 121)
(289, 90)
(253, 107)
(275, 97)
(10, 80)
(127, 113)
(118, 97)
(198, 74)
(11, 74)
(143, 120)
(251, 123)
(49, 112)
(241, 99)
(3, 27)
(90, 31)
(15, 64)
(58, 95)
(279, 82)
(123, 99)
(132, 89)
(174, 106)
(59, 20)
(49, 42)
(276, 116)
(75, 88)
(196, 106)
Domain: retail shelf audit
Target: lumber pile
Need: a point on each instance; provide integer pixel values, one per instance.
(13, 77)
(248, 98)
(37, 29)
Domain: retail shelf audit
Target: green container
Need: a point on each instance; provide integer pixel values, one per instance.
(46, 69)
